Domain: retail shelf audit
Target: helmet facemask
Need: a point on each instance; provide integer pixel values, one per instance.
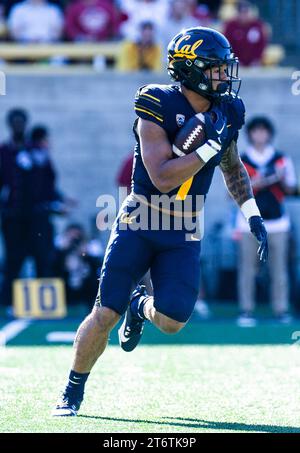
(199, 75)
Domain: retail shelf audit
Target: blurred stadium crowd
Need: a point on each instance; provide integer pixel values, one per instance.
(29, 198)
(28, 185)
(140, 29)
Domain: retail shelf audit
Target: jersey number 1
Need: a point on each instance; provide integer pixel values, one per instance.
(184, 189)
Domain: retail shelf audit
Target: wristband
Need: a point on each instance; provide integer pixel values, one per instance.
(208, 150)
(250, 209)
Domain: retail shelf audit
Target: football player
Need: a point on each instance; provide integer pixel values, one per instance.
(201, 60)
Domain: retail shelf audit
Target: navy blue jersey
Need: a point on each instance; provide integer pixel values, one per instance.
(166, 106)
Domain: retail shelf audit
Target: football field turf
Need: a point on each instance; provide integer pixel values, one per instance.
(219, 379)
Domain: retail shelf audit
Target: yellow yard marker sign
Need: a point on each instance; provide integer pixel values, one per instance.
(39, 298)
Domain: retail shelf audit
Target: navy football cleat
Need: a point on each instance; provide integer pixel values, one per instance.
(131, 330)
(67, 406)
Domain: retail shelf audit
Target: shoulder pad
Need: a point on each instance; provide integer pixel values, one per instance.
(149, 103)
(238, 110)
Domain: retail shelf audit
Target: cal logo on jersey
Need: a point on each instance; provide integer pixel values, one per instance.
(126, 218)
(180, 119)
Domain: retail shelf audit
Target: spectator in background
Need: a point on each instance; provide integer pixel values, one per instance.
(92, 20)
(247, 34)
(141, 11)
(125, 172)
(142, 54)
(17, 120)
(78, 262)
(3, 28)
(8, 4)
(35, 21)
(180, 16)
(201, 12)
(28, 196)
(273, 177)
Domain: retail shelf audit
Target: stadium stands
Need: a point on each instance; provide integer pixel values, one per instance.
(283, 46)
(77, 52)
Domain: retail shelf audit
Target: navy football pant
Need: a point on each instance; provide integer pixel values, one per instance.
(174, 265)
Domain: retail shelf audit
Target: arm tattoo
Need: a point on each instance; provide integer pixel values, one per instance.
(235, 175)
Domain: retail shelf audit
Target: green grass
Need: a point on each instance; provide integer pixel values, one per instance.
(157, 388)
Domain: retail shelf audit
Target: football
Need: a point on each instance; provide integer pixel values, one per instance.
(190, 136)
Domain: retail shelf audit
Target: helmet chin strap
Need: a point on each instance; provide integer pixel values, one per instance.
(203, 88)
(221, 88)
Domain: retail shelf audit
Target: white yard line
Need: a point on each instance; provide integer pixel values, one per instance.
(12, 329)
(60, 337)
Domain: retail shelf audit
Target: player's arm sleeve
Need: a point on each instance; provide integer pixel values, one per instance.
(149, 105)
(235, 175)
